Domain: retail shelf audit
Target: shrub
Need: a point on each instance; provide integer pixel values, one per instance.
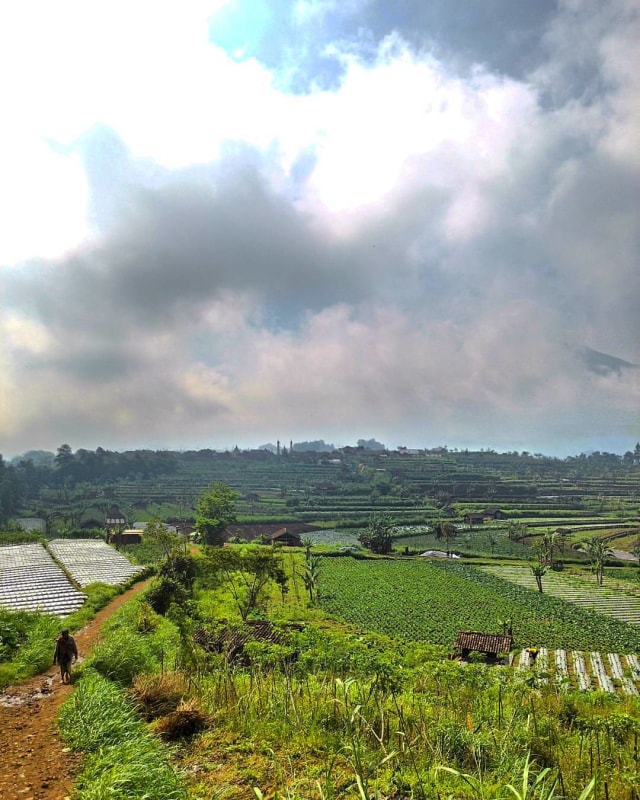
(158, 695)
(186, 721)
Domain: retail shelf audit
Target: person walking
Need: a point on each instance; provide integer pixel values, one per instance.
(66, 651)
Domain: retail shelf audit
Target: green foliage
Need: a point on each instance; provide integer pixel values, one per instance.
(14, 630)
(36, 653)
(170, 543)
(378, 536)
(164, 592)
(247, 571)
(20, 537)
(311, 572)
(598, 551)
(120, 658)
(215, 511)
(128, 649)
(124, 760)
(424, 601)
(174, 583)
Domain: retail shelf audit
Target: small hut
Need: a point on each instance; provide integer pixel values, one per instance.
(490, 644)
(286, 537)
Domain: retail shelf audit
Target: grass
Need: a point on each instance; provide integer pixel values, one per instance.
(355, 715)
(124, 760)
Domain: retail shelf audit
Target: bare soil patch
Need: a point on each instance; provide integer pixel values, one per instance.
(35, 764)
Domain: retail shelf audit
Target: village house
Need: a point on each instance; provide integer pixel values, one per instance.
(286, 537)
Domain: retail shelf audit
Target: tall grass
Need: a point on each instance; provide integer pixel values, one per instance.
(124, 761)
(323, 735)
(33, 651)
(131, 646)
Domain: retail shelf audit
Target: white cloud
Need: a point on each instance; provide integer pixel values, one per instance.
(414, 249)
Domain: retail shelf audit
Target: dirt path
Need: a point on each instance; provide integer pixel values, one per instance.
(34, 763)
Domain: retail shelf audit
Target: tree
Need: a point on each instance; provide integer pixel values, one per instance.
(538, 572)
(377, 537)
(598, 552)
(247, 572)
(65, 462)
(215, 511)
(445, 530)
(170, 543)
(311, 572)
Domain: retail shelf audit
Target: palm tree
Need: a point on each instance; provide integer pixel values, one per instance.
(598, 551)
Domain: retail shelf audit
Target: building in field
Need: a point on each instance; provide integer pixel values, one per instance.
(491, 645)
(286, 537)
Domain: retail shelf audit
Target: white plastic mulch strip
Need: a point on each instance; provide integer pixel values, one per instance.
(606, 684)
(562, 670)
(30, 580)
(634, 666)
(92, 561)
(580, 668)
(628, 686)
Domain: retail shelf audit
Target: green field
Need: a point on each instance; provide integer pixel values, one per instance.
(615, 598)
(427, 601)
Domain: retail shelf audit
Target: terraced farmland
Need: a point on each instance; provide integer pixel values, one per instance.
(614, 598)
(422, 601)
(92, 561)
(30, 580)
(593, 671)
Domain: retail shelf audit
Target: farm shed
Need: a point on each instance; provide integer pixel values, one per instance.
(491, 644)
(115, 519)
(474, 519)
(129, 536)
(286, 537)
(491, 512)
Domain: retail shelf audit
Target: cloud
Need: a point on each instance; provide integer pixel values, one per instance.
(420, 252)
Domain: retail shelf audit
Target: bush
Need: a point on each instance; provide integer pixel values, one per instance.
(158, 695)
(186, 721)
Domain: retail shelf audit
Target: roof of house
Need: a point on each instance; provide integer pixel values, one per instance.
(483, 642)
(284, 533)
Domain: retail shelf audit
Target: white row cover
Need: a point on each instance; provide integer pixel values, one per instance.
(30, 580)
(92, 561)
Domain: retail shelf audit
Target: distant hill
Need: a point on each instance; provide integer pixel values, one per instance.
(603, 363)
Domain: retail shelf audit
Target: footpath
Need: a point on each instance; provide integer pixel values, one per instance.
(34, 763)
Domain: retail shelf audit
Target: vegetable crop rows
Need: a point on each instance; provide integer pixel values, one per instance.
(586, 672)
(425, 601)
(611, 599)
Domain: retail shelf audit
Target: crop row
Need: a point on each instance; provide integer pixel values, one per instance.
(594, 671)
(615, 600)
(418, 600)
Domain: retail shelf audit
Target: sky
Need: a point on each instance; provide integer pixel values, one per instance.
(227, 222)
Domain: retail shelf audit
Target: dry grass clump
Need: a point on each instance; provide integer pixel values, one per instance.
(158, 695)
(183, 723)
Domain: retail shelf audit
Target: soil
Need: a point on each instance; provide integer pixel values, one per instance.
(34, 762)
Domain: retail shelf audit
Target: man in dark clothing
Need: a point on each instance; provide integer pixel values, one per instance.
(66, 650)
